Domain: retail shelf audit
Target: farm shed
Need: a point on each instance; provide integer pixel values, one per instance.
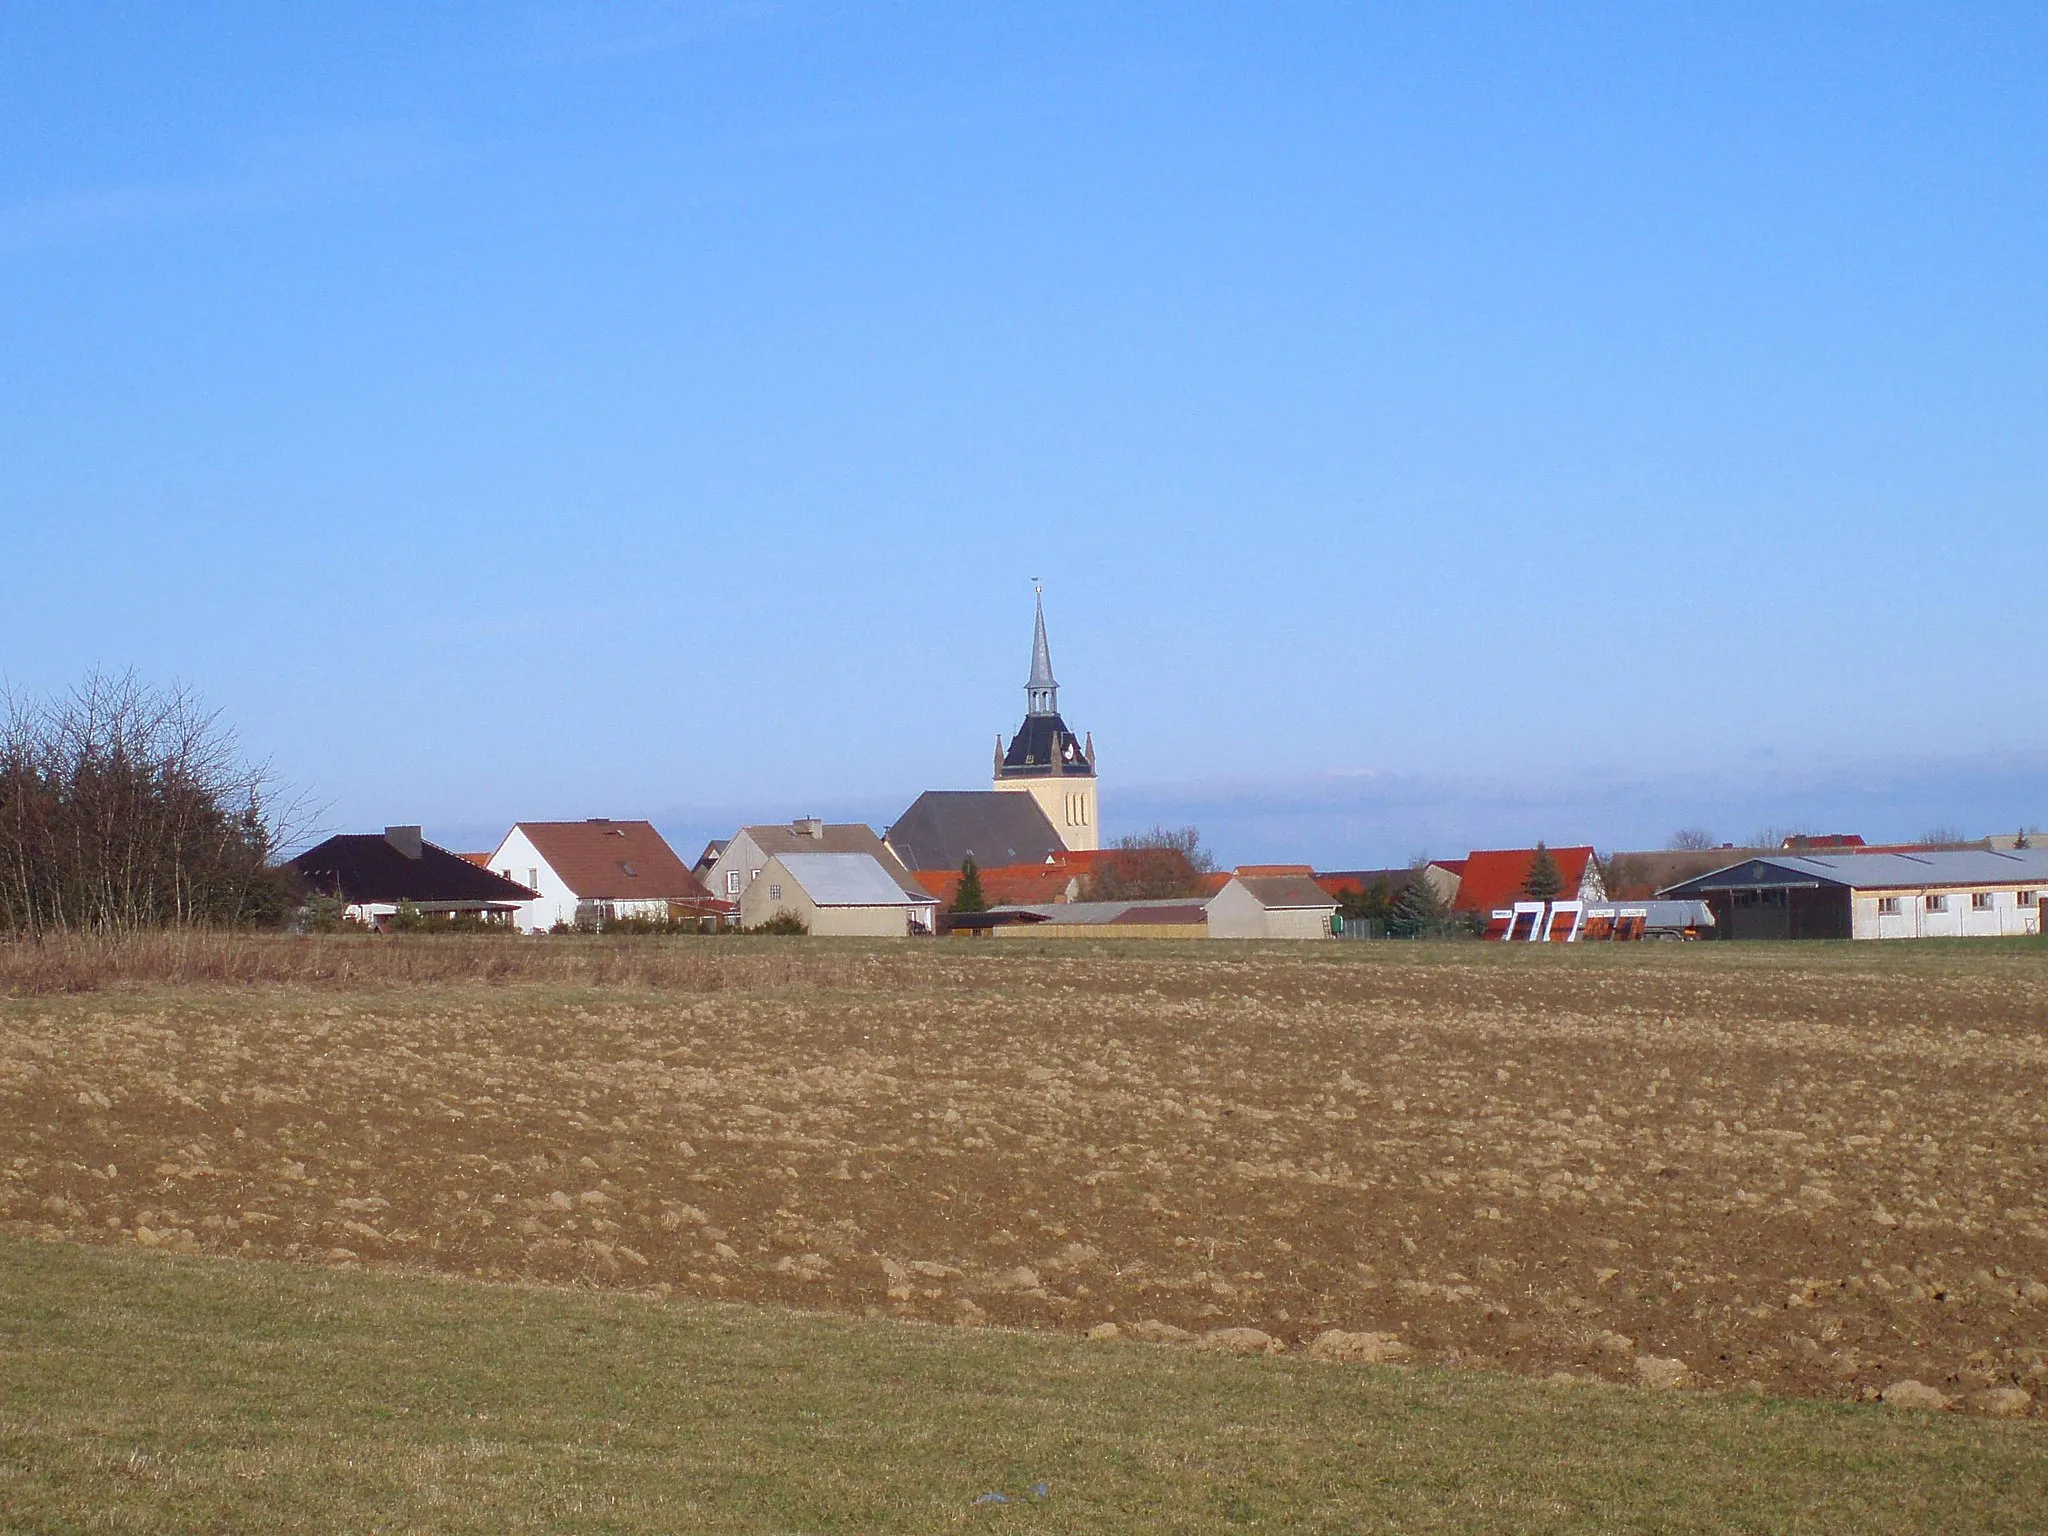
(375, 875)
(1271, 907)
(601, 871)
(1951, 893)
(836, 894)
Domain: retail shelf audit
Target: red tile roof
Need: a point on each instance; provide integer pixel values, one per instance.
(1006, 885)
(1494, 877)
(614, 860)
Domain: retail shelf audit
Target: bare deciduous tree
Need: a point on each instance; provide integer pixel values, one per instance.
(1940, 836)
(1690, 840)
(1151, 865)
(125, 806)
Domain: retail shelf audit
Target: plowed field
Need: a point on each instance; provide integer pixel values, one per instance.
(1821, 1170)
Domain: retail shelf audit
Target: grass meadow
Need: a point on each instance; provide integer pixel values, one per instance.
(145, 1392)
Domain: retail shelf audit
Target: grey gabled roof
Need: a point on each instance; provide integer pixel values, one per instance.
(943, 826)
(834, 837)
(847, 880)
(1877, 871)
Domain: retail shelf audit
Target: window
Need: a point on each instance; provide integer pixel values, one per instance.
(2027, 898)
(775, 893)
(533, 879)
(1937, 903)
(732, 882)
(1980, 901)
(1887, 906)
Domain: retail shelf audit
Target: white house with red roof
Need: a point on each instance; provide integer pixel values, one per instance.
(600, 871)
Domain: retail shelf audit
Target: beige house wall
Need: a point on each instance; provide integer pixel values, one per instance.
(1298, 923)
(1235, 913)
(1068, 801)
(774, 891)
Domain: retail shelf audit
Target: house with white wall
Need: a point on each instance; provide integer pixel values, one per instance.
(727, 867)
(598, 871)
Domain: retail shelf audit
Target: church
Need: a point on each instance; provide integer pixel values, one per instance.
(1047, 761)
(1041, 804)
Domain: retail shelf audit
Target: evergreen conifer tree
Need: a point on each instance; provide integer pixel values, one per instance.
(1419, 910)
(1545, 881)
(967, 897)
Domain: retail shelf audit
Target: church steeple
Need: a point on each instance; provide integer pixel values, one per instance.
(1045, 760)
(1041, 693)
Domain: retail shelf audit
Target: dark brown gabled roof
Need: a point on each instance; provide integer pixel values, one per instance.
(613, 860)
(364, 867)
(1285, 891)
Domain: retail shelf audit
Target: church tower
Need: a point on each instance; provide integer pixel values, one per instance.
(1047, 761)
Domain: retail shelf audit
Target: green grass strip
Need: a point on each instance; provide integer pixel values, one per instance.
(143, 1393)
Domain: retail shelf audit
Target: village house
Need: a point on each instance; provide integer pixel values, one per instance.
(726, 868)
(1271, 906)
(376, 876)
(842, 895)
(598, 871)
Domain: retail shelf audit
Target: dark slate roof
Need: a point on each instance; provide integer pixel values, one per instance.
(943, 826)
(1040, 741)
(368, 868)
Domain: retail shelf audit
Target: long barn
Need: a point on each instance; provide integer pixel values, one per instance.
(1960, 893)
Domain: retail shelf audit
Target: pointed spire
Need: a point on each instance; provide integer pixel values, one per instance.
(1041, 693)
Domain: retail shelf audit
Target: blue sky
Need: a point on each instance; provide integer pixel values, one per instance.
(1432, 425)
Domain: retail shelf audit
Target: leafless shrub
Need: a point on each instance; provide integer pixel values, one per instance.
(124, 806)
